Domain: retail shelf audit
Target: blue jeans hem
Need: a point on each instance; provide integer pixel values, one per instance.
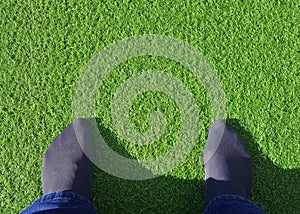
(56, 201)
(233, 203)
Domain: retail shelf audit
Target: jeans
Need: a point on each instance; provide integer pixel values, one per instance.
(69, 202)
(61, 203)
(232, 204)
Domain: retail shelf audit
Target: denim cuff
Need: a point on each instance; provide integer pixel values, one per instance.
(233, 204)
(61, 202)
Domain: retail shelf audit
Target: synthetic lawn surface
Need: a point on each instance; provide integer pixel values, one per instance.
(252, 45)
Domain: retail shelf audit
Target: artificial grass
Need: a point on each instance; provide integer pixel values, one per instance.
(252, 45)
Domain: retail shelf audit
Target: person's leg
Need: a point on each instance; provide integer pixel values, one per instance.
(67, 173)
(228, 172)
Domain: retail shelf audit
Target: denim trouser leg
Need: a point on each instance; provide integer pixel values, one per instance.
(69, 202)
(61, 203)
(232, 204)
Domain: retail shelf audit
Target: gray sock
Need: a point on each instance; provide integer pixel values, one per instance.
(228, 165)
(65, 166)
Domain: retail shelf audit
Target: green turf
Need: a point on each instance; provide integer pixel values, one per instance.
(252, 45)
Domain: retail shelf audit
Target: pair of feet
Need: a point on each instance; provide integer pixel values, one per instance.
(228, 165)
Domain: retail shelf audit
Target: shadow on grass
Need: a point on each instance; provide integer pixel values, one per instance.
(159, 195)
(275, 189)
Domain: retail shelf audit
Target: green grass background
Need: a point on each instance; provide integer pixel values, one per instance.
(252, 45)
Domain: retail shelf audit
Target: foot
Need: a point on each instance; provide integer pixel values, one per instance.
(228, 165)
(65, 166)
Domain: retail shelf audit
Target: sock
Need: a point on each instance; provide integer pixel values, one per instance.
(228, 165)
(65, 166)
